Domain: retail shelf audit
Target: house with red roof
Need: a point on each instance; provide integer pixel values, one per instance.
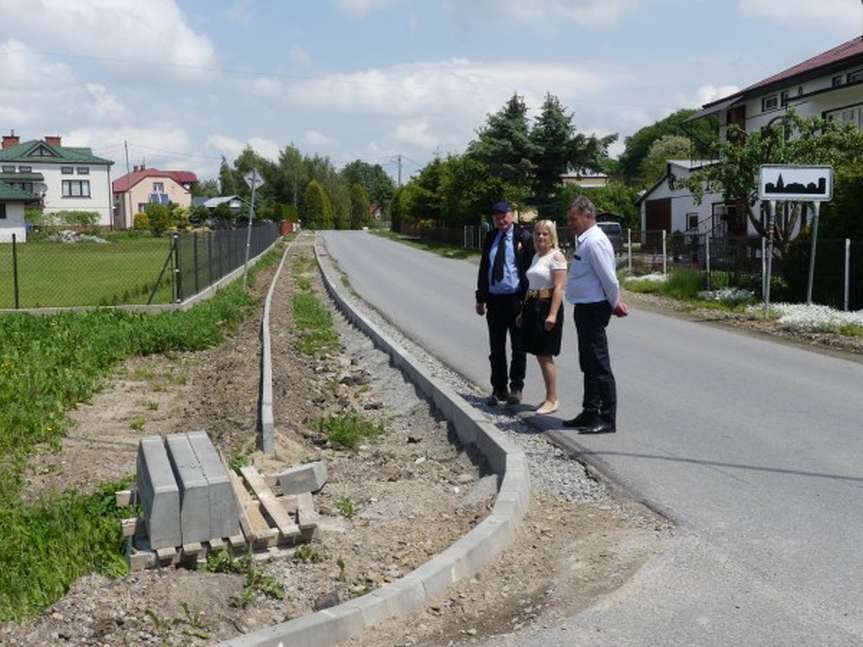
(829, 85)
(143, 186)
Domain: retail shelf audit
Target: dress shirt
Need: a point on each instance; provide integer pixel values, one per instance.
(593, 275)
(510, 282)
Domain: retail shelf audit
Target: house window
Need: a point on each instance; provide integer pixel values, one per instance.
(855, 76)
(849, 115)
(76, 188)
(769, 103)
(67, 170)
(158, 187)
(142, 206)
(691, 222)
(8, 169)
(27, 186)
(41, 151)
(783, 97)
(837, 80)
(2, 211)
(25, 169)
(83, 170)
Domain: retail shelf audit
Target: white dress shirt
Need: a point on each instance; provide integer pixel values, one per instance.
(593, 275)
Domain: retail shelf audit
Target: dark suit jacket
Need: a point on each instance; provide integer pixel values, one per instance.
(523, 243)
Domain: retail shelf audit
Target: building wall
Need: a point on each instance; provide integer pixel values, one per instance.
(14, 223)
(100, 191)
(140, 194)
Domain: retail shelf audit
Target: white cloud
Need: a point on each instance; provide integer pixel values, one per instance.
(231, 147)
(841, 16)
(706, 94)
(166, 147)
(590, 13)
(318, 139)
(24, 68)
(416, 133)
(299, 57)
(155, 30)
(364, 7)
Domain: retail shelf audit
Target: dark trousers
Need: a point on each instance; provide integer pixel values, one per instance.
(501, 311)
(600, 391)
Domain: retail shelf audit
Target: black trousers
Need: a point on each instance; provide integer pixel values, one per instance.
(600, 390)
(501, 311)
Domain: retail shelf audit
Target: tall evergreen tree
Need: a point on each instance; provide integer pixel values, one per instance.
(227, 183)
(359, 207)
(376, 182)
(317, 208)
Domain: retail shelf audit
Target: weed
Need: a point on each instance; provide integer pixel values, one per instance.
(151, 405)
(682, 284)
(258, 582)
(343, 569)
(348, 430)
(314, 323)
(137, 423)
(221, 561)
(308, 554)
(194, 620)
(851, 330)
(238, 461)
(345, 505)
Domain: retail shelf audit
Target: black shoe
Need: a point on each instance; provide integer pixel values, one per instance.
(514, 397)
(599, 427)
(496, 397)
(586, 418)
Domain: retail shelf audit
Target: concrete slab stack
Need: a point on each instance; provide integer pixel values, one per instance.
(158, 493)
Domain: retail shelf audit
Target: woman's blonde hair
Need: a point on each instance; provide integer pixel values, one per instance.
(552, 231)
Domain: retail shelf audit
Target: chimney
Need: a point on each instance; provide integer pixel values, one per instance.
(53, 140)
(11, 139)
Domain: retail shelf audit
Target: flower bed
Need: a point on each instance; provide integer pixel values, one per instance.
(812, 318)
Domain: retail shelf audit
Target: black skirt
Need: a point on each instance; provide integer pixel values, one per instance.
(535, 339)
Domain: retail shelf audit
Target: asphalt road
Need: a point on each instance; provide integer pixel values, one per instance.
(754, 448)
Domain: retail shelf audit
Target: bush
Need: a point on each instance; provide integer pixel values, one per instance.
(140, 221)
(78, 218)
(159, 218)
(683, 284)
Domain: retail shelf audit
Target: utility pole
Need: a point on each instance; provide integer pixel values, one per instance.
(398, 158)
(128, 215)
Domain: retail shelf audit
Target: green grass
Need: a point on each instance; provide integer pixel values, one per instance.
(80, 274)
(312, 320)
(441, 249)
(851, 330)
(349, 430)
(345, 505)
(48, 364)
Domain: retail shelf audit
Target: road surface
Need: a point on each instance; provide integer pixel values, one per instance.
(753, 447)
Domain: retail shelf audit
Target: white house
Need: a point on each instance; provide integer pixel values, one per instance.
(585, 178)
(13, 201)
(67, 178)
(829, 85)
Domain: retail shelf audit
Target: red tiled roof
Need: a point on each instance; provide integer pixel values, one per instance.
(126, 182)
(851, 49)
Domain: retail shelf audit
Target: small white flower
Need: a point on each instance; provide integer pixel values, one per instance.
(727, 295)
(650, 278)
(805, 318)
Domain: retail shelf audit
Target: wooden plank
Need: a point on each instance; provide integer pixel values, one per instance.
(252, 522)
(272, 507)
(306, 513)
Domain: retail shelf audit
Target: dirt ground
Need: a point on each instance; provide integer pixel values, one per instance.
(851, 347)
(413, 491)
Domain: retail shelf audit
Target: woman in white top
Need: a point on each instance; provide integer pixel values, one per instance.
(541, 318)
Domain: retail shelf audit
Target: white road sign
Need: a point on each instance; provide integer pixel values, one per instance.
(795, 183)
(253, 179)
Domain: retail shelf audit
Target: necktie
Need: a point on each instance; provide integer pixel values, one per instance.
(499, 258)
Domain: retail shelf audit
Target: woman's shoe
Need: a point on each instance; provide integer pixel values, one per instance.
(546, 408)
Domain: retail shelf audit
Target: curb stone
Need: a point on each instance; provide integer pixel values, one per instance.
(464, 558)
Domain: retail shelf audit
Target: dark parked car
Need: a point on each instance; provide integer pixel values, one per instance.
(615, 234)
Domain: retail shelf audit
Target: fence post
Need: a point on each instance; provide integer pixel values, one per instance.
(763, 268)
(664, 256)
(15, 270)
(195, 259)
(847, 270)
(629, 249)
(707, 257)
(210, 256)
(178, 277)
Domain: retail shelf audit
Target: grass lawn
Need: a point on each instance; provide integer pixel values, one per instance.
(122, 271)
(441, 249)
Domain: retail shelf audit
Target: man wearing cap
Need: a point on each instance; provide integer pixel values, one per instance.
(593, 290)
(501, 284)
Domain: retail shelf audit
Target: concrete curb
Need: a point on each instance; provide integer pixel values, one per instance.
(268, 423)
(192, 301)
(462, 559)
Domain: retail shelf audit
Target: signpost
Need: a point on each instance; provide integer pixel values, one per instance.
(790, 183)
(254, 180)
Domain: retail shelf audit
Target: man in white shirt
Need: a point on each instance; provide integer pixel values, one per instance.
(593, 290)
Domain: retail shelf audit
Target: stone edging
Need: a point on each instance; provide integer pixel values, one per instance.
(268, 424)
(462, 559)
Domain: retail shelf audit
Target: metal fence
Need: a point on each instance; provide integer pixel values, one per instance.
(121, 268)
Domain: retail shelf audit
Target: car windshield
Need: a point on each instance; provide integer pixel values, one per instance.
(609, 227)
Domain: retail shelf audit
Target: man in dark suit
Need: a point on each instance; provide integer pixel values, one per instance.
(501, 285)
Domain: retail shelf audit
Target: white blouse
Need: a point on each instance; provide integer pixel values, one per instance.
(540, 273)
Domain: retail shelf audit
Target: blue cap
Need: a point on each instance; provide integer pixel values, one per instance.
(501, 207)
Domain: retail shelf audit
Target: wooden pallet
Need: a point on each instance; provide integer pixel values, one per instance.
(271, 525)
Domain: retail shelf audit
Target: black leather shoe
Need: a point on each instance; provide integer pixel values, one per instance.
(599, 427)
(514, 397)
(496, 397)
(583, 419)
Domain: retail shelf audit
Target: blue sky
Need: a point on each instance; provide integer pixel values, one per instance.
(186, 81)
